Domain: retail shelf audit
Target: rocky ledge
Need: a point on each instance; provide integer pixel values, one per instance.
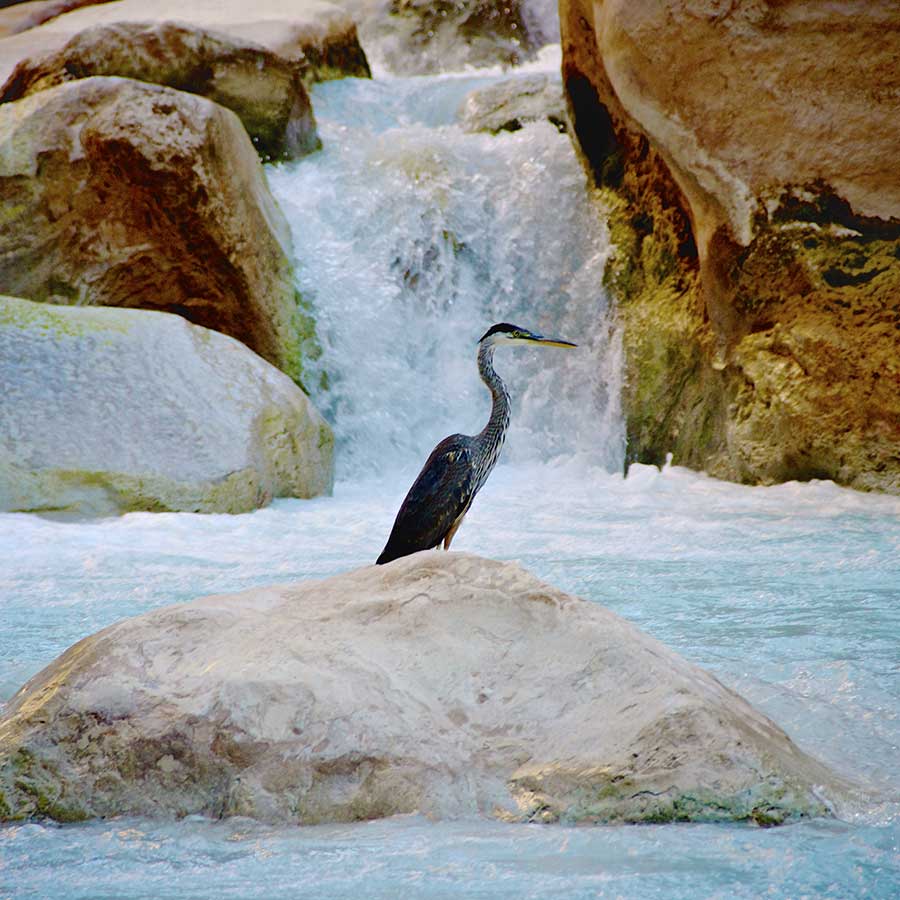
(756, 211)
(441, 683)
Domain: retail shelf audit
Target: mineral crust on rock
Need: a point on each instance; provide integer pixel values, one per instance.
(105, 411)
(441, 683)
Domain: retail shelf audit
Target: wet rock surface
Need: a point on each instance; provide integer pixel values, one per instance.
(514, 103)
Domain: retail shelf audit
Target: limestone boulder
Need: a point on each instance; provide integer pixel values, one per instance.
(317, 36)
(264, 89)
(441, 683)
(511, 104)
(754, 200)
(121, 193)
(106, 411)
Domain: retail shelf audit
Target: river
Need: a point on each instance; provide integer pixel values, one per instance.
(412, 237)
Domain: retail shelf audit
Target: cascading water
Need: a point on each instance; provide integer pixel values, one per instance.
(412, 237)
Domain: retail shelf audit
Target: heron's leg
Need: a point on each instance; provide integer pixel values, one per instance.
(448, 537)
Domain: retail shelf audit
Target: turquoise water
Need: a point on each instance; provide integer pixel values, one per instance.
(411, 239)
(789, 594)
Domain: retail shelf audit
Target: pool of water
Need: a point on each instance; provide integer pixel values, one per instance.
(790, 594)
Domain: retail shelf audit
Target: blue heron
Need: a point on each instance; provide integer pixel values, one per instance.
(460, 464)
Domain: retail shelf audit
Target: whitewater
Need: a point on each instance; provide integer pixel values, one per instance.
(412, 237)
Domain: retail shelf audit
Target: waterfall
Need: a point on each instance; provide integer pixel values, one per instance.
(412, 237)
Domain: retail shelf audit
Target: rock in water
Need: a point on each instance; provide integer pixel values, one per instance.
(263, 89)
(318, 35)
(442, 683)
(756, 217)
(109, 410)
(116, 192)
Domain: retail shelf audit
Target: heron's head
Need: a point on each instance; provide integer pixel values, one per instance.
(504, 333)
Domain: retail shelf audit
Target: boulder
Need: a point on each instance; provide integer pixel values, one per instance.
(511, 104)
(755, 205)
(264, 89)
(441, 683)
(316, 35)
(106, 411)
(121, 193)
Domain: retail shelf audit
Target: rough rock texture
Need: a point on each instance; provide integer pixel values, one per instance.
(111, 410)
(511, 104)
(265, 90)
(756, 207)
(441, 683)
(121, 193)
(318, 36)
(415, 37)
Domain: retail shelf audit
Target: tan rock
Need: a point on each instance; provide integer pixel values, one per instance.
(107, 411)
(265, 90)
(318, 35)
(442, 683)
(121, 193)
(761, 223)
(511, 104)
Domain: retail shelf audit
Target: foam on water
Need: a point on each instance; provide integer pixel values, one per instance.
(412, 238)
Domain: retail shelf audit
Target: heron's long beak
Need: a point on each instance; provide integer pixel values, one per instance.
(550, 342)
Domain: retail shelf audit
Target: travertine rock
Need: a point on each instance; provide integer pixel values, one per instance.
(120, 193)
(111, 410)
(318, 35)
(511, 104)
(757, 212)
(440, 683)
(265, 90)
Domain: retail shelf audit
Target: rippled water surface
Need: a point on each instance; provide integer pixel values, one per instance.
(412, 238)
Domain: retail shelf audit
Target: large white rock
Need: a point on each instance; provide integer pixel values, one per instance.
(441, 683)
(107, 410)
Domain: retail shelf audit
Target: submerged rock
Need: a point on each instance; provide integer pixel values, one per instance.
(512, 104)
(116, 192)
(441, 683)
(111, 410)
(264, 89)
(756, 212)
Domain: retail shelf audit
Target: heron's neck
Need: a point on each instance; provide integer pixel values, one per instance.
(494, 432)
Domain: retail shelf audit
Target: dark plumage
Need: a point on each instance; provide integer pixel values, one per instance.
(459, 465)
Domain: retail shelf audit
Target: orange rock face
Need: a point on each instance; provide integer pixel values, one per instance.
(751, 147)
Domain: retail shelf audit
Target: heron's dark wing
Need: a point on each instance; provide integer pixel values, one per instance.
(438, 496)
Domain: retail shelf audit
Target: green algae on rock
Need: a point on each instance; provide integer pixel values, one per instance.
(757, 230)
